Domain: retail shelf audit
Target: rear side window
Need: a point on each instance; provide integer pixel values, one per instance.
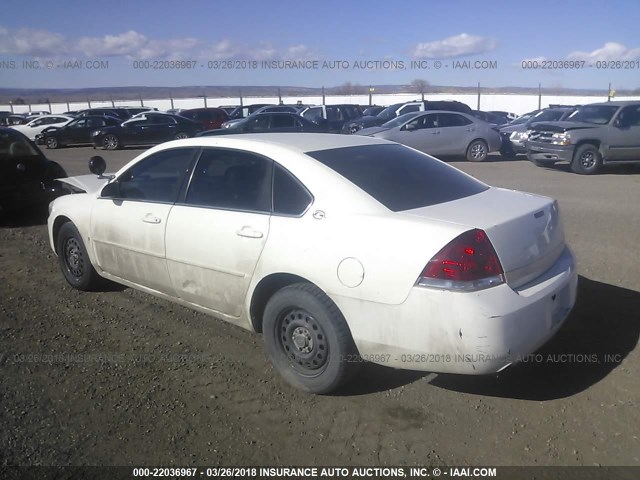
(398, 177)
(290, 197)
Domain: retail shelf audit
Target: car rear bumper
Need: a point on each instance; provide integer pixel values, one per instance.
(466, 333)
(545, 152)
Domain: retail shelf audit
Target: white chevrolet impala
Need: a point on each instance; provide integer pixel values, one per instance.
(337, 248)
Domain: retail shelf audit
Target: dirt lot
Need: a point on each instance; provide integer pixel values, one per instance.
(120, 378)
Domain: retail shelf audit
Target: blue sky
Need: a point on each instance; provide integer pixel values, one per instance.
(504, 32)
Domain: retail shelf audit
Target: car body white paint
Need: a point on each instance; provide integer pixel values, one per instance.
(37, 125)
(365, 257)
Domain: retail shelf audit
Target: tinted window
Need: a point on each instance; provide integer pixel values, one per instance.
(630, 116)
(408, 109)
(161, 120)
(157, 178)
(398, 177)
(14, 145)
(313, 114)
(289, 196)
(282, 121)
(452, 120)
(598, 114)
(231, 179)
(78, 124)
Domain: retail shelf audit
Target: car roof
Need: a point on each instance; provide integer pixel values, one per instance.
(616, 103)
(300, 142)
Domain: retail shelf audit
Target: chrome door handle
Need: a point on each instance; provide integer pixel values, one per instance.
(249, 232)
(435, 132)
(151, 218)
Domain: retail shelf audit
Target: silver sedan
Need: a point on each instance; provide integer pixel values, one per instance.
(441, 133)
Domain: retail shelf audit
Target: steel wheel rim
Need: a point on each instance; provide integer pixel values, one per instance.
(587, 160)
(303, 341)
(478, 151)
(109, 142)
(73, 257)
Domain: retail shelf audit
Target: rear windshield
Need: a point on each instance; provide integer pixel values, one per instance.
(398, 177)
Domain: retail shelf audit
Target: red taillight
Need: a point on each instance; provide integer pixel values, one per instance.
(468, 262)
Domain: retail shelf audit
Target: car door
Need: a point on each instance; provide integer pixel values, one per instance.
(421, 133)
(214, 238)
(456, 133)
(74, 132)
(624, 135)
(129, 220)
(282, 123)
(163, 128)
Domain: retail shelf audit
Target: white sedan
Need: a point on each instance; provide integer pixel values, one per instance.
(37, 125)
(337, 248)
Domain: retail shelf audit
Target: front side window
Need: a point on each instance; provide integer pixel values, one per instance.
(79, 124)
(597, 114)
(231, 179)
(157, 178)
(282, 121)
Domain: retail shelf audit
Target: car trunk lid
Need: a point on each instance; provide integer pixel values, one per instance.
(525, 229)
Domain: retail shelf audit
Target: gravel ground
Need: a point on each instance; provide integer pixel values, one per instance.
(122, 378)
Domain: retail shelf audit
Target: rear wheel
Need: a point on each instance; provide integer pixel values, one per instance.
(586, 160)
(110, 142)
(477, 151)
(74, 261)
(52, 142)
(308, 340)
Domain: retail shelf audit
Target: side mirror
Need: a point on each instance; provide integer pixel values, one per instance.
(409, 127)
(21, 167)
(97, 165)
(111, 190)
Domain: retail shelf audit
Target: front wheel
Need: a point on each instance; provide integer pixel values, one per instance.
(307, 339)
(74, 261)
(52, 142)
(477, 151)
(110, 142)
(586, 160)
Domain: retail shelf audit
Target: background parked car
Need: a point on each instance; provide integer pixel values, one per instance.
(372, 111)
(38, 124)
(395, 110)
(26, 176)
(208, 118)
(76, 132)
(514, 135)
(593, 135)
(441, 133)
(243, 111)
(267, 109)
(268, 122)
(12, 119)
(121, 113)
(333, 118)
(147, 128)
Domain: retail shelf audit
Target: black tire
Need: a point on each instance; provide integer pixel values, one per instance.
(74, 261)
(477, 151)
(181, 136)
(586, 160)
(307, 339)
(110, 142)
(52, 143)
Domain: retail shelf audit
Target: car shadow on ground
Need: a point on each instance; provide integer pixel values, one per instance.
(604, 170)
(598, 335)
(491, 158)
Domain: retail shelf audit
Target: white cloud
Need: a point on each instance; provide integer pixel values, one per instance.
(456, 46)
(27, 41)
(134, 45)
(610, 51)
